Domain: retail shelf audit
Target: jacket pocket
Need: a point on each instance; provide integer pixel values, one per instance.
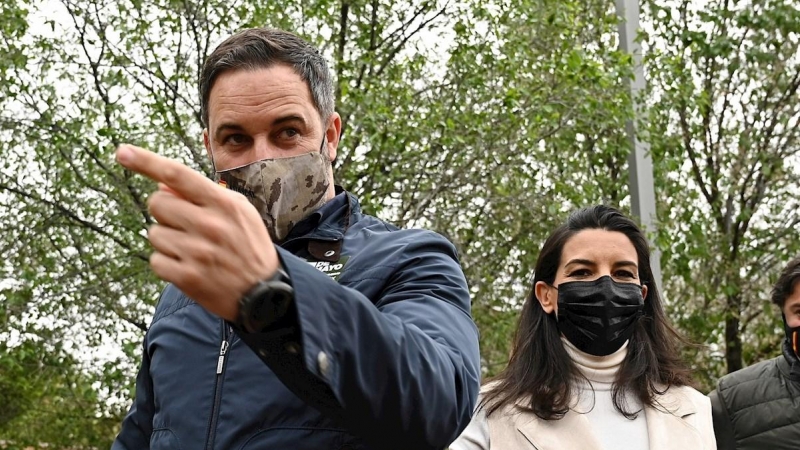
(164, 438)
(302, 438)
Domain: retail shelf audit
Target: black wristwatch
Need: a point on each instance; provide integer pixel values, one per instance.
(265, 302)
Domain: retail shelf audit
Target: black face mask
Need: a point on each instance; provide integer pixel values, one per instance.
(598, 316)
(791, 349)
(792, 338)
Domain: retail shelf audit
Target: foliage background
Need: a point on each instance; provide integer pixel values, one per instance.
(486, 120)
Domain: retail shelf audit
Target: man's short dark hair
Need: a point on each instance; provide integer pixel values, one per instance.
(261, 48)
(785, 285)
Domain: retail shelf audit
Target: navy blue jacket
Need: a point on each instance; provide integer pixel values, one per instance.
(385, 358)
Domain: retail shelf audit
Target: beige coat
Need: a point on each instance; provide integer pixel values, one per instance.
(682, 422)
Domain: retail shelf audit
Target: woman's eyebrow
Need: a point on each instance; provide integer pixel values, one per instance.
(579, 261)
(626, 263)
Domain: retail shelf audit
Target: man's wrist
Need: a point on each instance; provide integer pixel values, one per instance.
(265, 303)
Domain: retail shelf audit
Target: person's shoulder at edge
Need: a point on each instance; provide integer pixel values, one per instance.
(667, 399)
(170, 301)
(412, 238)
(747, 374)
(693, 395)
(410, 234)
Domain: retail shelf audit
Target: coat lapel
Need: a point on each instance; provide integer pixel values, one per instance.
(667, 427)
(572, 432)
(667, 424)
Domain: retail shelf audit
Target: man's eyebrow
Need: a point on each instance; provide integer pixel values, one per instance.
(289, 118)
(232, 126)
(228, 127)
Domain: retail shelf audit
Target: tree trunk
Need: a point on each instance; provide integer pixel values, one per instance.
(733, 341)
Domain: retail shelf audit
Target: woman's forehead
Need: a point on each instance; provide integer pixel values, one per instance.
(598, 246)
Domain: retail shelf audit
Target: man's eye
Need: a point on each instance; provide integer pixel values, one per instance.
(235, 139)
(289, 133)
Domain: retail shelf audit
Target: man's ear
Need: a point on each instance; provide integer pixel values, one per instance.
(207, 144)
(333, 132)
(547, 296)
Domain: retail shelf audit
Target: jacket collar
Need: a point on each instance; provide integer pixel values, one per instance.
(667, 425)
(673, 401)
(789, 365)
(572, 431)
(324, 229)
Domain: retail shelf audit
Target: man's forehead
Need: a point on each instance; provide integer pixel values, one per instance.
(263, 79)
(795, 291)
(272, 94)
(792, 302)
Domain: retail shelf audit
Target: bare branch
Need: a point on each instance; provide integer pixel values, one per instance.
(66, 212)
(405, 39)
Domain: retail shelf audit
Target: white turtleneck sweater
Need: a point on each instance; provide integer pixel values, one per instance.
(612, 429)
(609, 426)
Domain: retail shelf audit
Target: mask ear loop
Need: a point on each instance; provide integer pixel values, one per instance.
(554, 314)
(322, 150)
(214, 174)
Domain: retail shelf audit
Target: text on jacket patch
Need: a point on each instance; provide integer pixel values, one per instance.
(333, 270)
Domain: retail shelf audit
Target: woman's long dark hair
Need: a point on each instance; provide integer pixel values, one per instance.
(540, 375)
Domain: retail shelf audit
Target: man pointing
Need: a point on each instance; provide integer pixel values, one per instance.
(292, 320)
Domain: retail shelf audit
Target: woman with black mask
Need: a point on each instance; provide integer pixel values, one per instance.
(594, 363)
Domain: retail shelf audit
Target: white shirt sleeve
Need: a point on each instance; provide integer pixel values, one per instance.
(475, 436)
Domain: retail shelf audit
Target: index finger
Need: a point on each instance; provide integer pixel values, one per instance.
(184, 181)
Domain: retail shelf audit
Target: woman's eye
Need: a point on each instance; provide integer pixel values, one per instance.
(624, 274)
(579, 273)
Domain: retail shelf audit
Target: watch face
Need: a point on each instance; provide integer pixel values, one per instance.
(265, 304)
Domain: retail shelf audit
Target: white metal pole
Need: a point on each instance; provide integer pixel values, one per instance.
(643, 200)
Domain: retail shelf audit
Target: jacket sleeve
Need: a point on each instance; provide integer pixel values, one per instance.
(138, 423)
(723, 428)
(400, 372)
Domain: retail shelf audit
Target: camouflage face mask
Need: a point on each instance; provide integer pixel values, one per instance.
(283, 190)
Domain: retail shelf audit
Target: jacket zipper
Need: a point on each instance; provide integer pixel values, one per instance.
(212, 421)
